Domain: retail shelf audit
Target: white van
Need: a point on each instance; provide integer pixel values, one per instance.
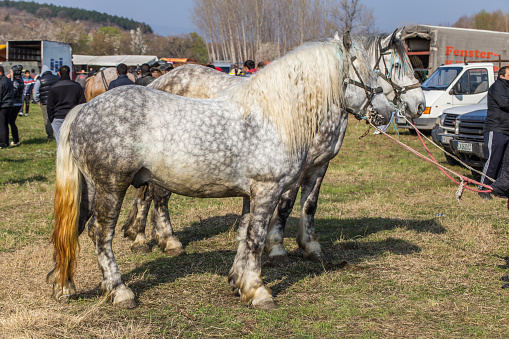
(449, 86)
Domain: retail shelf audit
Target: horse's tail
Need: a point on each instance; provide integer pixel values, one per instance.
(66, 204)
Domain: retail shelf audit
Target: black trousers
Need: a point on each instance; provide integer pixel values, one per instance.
(26, 103)
(494, 148)
(13, 114)
(4, 126)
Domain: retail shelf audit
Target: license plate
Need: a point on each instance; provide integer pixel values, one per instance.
(401, 121)
(462, 146)
(446, 139)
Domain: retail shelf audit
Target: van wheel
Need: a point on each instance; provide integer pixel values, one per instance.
(451, 161)
(412, 131)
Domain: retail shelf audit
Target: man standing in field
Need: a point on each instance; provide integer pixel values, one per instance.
(6, 91)
(146, 76)
(41, 90)
(62, 97)
(122, 79)
(27, 92)
(496, 128)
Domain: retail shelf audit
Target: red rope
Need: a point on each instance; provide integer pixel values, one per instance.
(442, 168)
(468, 180)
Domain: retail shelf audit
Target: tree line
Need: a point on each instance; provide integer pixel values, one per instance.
(102, 38)
(237, 30)
(48, 11)
(494, 21)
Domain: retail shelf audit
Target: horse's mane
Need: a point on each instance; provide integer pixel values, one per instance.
(296, 91)
(370, 43)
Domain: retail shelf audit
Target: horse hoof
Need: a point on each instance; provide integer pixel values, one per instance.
(124, 298)
(175, 252)
(140, 248)
(505, 286)
(505, 278)
(277, 253)
(266, 304)
(64, 298)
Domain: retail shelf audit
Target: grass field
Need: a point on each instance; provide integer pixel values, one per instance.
(406, 259)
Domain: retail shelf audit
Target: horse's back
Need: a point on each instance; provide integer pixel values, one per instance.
(195, 81)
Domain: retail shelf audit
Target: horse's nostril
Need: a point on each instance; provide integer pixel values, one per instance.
(420, 108)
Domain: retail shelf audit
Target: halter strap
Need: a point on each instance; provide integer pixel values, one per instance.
(105, 83)
(368, 90)
(398, 90)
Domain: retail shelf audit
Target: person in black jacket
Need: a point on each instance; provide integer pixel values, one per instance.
(63, 96)
(5, 107)
(122, 77)
(17, 102)
(496, 128)
(41, 90)
(146, 76)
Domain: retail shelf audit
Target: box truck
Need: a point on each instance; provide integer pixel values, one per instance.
(462, 62)
(33, 54)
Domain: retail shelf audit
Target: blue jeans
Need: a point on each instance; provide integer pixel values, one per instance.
(56, 124)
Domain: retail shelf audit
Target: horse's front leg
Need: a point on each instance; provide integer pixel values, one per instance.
(134, 227)
(106, 212)
(162, 231)
(274, 248)
(306, 238)
(245, 275)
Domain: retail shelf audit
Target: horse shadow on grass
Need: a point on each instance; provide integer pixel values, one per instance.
(39, 178)
(342, 240)
(37, 141)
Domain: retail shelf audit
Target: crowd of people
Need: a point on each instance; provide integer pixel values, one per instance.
(57, 95)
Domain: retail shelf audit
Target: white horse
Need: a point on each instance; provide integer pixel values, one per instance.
(395, 75)
(251, 142)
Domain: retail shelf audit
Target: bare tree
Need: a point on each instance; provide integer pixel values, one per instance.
(238, 30)
(353, 16)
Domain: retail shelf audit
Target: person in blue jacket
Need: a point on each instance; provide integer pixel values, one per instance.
(122, 79)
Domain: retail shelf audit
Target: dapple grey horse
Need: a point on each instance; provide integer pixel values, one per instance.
(395, 75)
(251, 142)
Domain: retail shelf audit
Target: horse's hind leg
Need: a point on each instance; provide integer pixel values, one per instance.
(309, 200)
(245, 274)
(274, 247)
(134, 227)
(162, 231)
(106, 211)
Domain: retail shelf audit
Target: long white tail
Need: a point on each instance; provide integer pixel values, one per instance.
(67, 203)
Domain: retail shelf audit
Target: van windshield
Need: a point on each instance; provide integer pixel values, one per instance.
(441, 78)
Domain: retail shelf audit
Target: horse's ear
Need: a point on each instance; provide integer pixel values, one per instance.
(389, 41)
(347, 41)
(399, 33)
(336, 36)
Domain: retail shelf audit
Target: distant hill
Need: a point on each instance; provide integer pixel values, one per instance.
(48, 11)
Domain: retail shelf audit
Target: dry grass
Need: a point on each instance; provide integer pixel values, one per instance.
(397, 269)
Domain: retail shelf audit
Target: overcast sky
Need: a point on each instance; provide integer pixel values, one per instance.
(170, 17)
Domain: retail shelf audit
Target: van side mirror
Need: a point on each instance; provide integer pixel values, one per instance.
(456, 89)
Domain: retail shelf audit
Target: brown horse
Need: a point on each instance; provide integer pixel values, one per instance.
(98, 83)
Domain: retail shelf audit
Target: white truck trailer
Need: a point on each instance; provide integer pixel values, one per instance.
(463, 63)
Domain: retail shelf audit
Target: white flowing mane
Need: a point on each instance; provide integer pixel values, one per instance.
(296, 91)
